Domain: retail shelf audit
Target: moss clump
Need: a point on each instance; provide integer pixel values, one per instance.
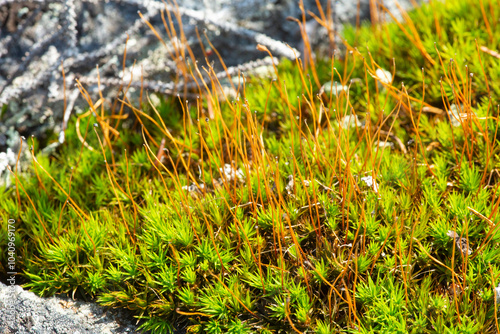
(290, 208)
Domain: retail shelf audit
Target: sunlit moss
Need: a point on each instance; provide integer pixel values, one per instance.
(289, 208)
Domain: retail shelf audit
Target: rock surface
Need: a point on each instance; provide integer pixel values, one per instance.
(23, 312)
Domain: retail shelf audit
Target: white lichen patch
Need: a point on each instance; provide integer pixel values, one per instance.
(6, 159)
(385, 144)
(290, 185)
(334, 88)
(155, 99)
(229, 92)
(230, 173)
(194, 188)
(350, 121)
(10, 142)
(384, 76)
(454, 113)
(264, 71)
(370, 182)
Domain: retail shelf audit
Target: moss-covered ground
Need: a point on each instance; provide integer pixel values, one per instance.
(292, 207)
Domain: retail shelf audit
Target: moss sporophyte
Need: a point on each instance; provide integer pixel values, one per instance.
(356, 194)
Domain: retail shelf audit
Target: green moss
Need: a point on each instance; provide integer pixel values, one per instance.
(279, 212)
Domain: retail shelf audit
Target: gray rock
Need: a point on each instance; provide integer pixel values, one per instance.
(23, 312)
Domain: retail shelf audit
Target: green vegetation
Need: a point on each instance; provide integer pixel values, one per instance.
(289, 208)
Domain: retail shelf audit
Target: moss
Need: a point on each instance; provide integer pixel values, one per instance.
(289, 208)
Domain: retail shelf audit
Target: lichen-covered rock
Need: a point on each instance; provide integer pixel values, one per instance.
(23, 312)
